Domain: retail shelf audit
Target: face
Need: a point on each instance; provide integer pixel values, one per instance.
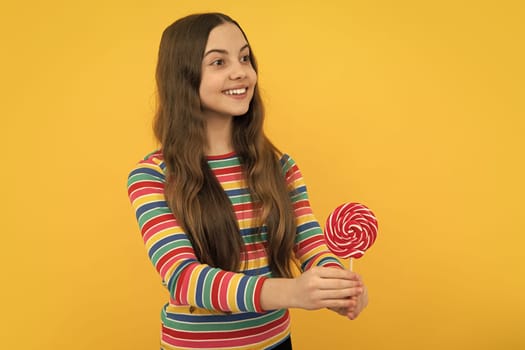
(228, 78)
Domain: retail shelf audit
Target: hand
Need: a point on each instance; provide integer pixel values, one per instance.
(357, 304)
(324, 287)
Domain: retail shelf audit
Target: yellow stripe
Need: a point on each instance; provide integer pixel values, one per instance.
(162, 234)
(192, 284)
(146, 199)
(305, 218)
(257, 263)
(232, 293)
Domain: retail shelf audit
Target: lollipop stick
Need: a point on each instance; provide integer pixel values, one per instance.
(351, 269)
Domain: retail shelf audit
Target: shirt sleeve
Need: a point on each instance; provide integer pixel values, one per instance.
(188, 281)
(310, 246)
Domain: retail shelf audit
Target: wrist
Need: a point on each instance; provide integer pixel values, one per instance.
(278, 293)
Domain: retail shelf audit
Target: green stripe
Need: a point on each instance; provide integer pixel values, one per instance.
(288, 165)
(152, 214)
(142, 177)
(222, 323)
(245, 198)
(159, 253)
(207, 288)
(223, 163)
(299, 196)
(249, 293)
(313, 231)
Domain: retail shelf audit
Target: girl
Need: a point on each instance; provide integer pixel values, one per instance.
(224, 215)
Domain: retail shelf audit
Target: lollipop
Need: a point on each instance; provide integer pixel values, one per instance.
(350, 230)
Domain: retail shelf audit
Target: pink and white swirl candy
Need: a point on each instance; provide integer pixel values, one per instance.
(350, 230)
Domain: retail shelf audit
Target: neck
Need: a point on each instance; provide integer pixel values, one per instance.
(219, 135)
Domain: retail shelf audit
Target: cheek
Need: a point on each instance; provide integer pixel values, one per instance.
(207, 86)
(253, 76)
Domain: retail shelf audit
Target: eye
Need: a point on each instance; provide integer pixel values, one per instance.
(218, 62)
(245, 58)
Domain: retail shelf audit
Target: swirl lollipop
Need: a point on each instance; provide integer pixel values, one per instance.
(350, 230)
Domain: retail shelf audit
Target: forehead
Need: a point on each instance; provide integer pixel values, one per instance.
(226, 36)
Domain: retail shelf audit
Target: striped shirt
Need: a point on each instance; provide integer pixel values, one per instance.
(210, 308)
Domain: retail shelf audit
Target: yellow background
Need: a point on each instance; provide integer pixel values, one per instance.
(413, 108)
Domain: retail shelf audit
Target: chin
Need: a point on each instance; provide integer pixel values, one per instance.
(239, 113)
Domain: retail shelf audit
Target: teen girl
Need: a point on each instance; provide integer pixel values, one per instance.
(224, 215)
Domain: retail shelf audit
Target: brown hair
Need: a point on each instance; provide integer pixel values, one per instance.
(193, 193)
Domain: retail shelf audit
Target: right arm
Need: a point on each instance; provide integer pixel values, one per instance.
(188, 281)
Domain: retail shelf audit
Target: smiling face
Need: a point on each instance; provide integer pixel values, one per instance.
(228, 78)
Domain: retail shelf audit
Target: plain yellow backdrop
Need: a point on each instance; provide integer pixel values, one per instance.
(413, 108)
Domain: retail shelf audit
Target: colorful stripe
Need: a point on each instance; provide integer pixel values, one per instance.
(210, 308)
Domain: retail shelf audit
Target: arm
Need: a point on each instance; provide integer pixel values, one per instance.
(192, 283)
(310, 246)
(311, 249)
(317, 288)
(188, 281)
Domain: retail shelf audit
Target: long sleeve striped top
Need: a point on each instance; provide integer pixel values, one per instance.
(210, 308)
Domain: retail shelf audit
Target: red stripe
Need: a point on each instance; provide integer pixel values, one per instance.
(230, 177)
(215, 291)
(227, 170)
(140, 184)
(223, 297)
(257, 296)
(230, 343)
(309, 241)
(242, 207)
(157, 220)
(293, 171)
(166, 225)
(181, 287)
(171, 254)
(303, 203)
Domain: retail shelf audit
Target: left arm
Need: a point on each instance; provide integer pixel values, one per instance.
(310, 246)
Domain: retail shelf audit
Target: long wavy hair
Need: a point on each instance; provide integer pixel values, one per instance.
(192, 191)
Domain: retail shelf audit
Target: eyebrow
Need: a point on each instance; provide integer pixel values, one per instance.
(224, 51)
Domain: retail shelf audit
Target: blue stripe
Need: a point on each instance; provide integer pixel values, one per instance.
(175, 275)
(165, 241)
(236, 192)
(284, 159)
(240, 295)
(308, 225)
(299, 190)
(327, 260)
(148, 206)
(200, 287)
(248, 231)
(303, 265)
(218, 318)
(261, 271)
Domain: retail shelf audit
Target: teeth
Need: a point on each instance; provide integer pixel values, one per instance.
(235, 91)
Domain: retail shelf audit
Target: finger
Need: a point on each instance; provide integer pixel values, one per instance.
(332, 283)
(336, 304)
(340, 311)
(352, 314)
(347, 294)
(332, 272)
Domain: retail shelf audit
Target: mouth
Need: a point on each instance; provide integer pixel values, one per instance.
(232, 92)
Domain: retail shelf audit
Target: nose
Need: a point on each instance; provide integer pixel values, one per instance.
(238, 72)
